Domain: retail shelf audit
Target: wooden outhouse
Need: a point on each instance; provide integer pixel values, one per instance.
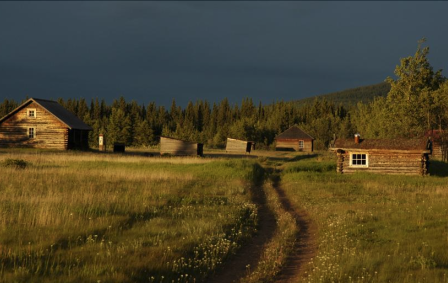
(387, 156)
(294, 139)
(179, 147)
(40, 123)
(238, 146)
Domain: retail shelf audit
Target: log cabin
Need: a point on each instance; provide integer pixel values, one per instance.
(239, 146)
(40, 123)
(386, 156)
(180, 147)
(294, 139)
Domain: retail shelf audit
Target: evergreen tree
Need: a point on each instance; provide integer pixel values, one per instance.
(96, 110)
(7, 106)
(118, 130)
(83, 109)
(144, 135)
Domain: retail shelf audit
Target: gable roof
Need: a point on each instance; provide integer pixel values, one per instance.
(381, 144)
(294, 132)
(59, 112)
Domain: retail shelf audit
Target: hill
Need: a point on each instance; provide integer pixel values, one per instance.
(353, 96)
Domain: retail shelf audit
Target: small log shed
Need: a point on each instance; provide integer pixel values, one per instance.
(386, 156)
(180, 147)
(40, 123)
(238, 146)
(294, 139)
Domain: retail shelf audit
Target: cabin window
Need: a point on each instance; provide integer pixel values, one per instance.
(31, 133)
(301, 144)
(359, 160)
(31, 113)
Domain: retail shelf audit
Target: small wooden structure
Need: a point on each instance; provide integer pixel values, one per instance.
(119, 147)
(179, 147)
(387, 156)
(439, 140)
(294, 139)
(239, 146)
(39, 123)
(101, 143)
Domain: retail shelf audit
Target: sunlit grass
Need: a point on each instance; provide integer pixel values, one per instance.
(372, 228)
(80, 217)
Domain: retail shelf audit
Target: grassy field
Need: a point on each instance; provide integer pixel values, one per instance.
(85, 217)
(372, 228)
(74, 217)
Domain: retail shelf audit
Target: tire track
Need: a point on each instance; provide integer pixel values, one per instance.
(249, 255)
(305, 247)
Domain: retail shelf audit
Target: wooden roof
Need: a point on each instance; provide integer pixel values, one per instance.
(232, 139)
(381, 144)
(294, 132)
(59, 112)
(170, 138)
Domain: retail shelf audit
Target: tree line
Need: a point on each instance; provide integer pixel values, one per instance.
(211, 124)
(417, 101)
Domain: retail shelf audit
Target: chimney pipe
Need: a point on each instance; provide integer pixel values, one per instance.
(357, 137)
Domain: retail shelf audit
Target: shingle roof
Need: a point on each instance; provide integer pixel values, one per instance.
(381, 144)
(62, 114)
(294, 132)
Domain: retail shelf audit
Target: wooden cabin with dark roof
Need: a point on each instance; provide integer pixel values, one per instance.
(294, 139)
(386, 156)
(40, 123)
(180, 147)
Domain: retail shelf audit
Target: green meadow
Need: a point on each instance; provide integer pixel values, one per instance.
(372, 228)
(86, 217)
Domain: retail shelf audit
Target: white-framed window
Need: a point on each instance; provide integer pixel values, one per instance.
(301, 144)
(31, 133)
(31, 112)
(359, 159)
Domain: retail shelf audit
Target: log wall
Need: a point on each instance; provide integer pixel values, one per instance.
(49, 131)
(440, 150)
(238, 146)
(179, 147)
(386, 163)
(293, 145)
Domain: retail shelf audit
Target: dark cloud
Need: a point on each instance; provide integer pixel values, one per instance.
(157, 51)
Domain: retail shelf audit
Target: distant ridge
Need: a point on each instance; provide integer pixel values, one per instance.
(352, 96)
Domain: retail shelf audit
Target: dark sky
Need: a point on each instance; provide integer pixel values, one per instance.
(157, 51)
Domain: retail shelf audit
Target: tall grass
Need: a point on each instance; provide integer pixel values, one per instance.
(372, 228)
(100, 218)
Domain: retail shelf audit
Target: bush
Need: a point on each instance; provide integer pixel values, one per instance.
(15, 163)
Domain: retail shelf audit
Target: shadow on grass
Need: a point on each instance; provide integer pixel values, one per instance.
(438, 168)
(302, 157)
(230, 155)
(293, 159)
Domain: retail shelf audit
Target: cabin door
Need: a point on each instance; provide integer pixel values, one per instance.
(200, 149)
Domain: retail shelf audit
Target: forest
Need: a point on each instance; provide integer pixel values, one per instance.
(416, 101)
(350, 97)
